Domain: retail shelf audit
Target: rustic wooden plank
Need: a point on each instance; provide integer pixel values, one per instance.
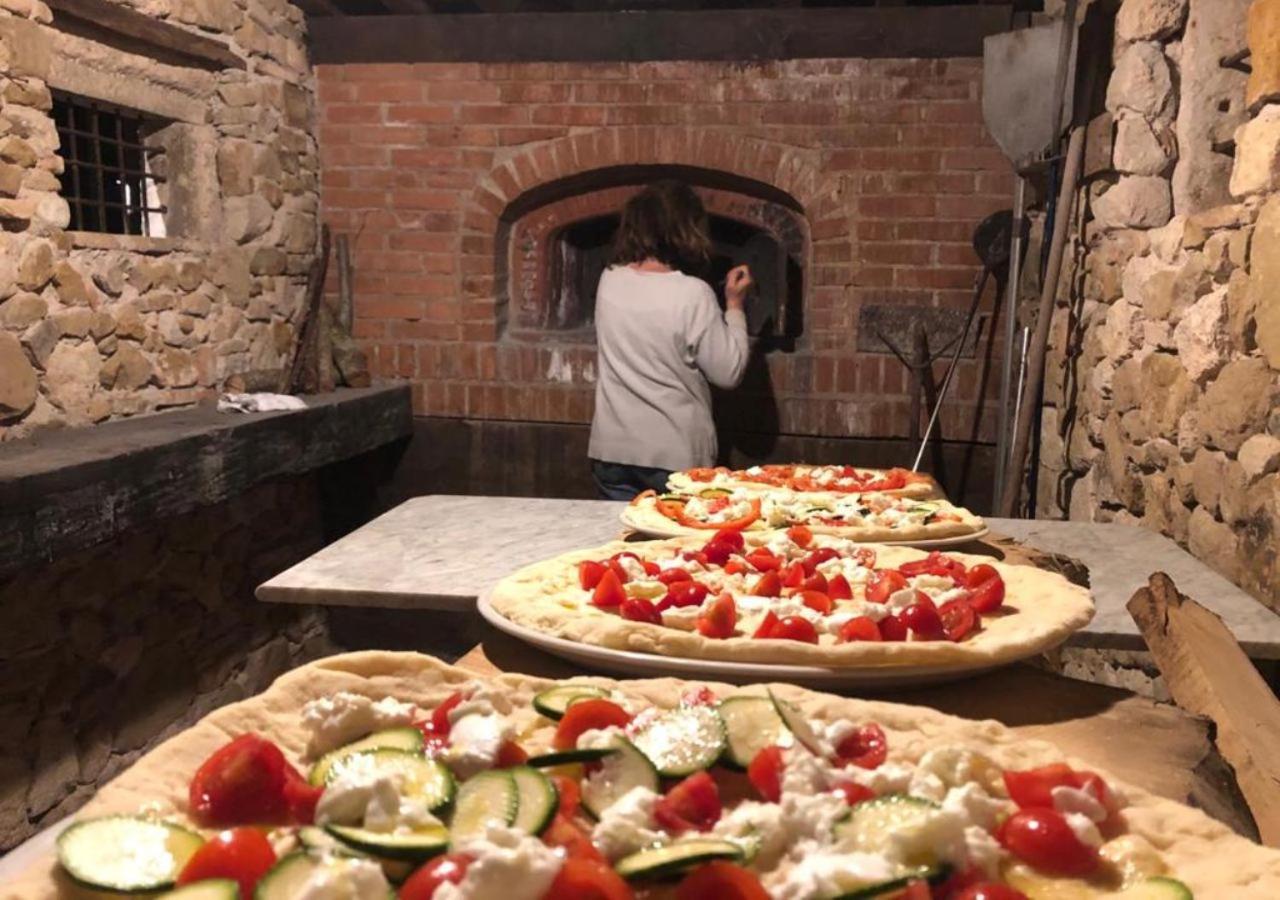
(1156, 747)
(78, 487)
(126, 21)
(1208, 674)
(739, 34)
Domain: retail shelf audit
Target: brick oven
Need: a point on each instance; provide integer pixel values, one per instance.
(481, 196)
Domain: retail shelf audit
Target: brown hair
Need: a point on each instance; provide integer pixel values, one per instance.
(666, 221)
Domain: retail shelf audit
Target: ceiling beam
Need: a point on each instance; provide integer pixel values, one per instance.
(738, 35)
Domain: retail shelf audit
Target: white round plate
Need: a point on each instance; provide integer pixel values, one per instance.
(953, 541)
(649, 665)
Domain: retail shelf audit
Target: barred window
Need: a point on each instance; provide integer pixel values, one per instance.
(110, 179)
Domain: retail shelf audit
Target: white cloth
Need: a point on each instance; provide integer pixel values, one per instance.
(661, 339)
(261, 402)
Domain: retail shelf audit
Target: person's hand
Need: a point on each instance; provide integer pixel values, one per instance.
(736, 285)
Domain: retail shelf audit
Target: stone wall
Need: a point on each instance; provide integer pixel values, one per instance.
(110, 650)
(95, 326)
(1161, 393)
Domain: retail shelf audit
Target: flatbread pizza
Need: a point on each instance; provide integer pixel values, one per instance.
(871, 517)
(836, 479)
(796, 598)
(526, 789)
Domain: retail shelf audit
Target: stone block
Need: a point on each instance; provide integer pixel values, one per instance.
(17, 379)
(1135, 201)
(22, 310)
(1257, 165)
(74, 322)
(1142, 83)
(268, 261)
(1214, 543)
(30, 47)
(213, 15)
(1263, 298)
(236, 167)
(127, 369)
(1168, 393)
(1263, 32)
(1141, 149)
(246, 218)
(71, 376)
(35, 265)
(40, 339)
(1150, 20)
(1236, 403)
(1202, 338)
(73, 288)
(1206, 477)
(1259, 456)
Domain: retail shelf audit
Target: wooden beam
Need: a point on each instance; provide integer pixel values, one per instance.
(127, 22)
(1207, 673)
(738, 35)
(407, 7)
(319, 7)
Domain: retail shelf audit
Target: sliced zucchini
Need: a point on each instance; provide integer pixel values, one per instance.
(538, 800)
(486, 799)
(626, 769)
(552, 703)
(126, 853)
(712, 493)
(210, 889)
(750, 724)
(891, 887)
(315, 839)
(422, 779)
(871, 824)
(562, 757)
(409, 739)
(798, 725)
(683, 740)
(663, 862)
(287, 878)
(1158, 888)
(413, 846)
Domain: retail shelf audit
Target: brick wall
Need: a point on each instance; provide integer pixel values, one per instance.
(887, 159)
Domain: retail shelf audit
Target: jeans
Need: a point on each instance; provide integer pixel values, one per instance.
(620, 481)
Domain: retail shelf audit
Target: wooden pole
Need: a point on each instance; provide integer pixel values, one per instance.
(1035, 364)
(1207, 673)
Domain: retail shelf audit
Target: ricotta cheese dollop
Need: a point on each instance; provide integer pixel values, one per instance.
(345, 878)
(506, 865)
(344, 717)
(627, 825)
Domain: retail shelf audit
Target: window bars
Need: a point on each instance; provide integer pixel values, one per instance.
(107, 179)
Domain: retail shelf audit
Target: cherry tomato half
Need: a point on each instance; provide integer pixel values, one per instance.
(1043, 839)
(586, 715)
(866, 748)
(986, 588)
(241, 783)
(721, 880)
(637, 609)
(608, 592)
(923, 619)
(883, 583)
(800, 535)
(990, 890)
(767, 585)
(765, 773)
(241, 854)
(447, 869)
(719, 619)
(692, 805)
(589, 574)
(862, 628)
(958, 619)
(582, 879)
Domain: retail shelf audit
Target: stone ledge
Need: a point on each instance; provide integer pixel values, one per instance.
(76, 488)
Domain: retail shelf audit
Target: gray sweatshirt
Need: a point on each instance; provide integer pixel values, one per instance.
(661, 338)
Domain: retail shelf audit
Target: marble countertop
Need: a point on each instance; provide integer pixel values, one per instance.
(441, 552)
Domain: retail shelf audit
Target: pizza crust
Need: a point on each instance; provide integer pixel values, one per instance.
(642, 515)
(1044, 609)
(1211, 859)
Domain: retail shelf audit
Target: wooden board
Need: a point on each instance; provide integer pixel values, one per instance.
(1159, 748)
(636, 35)
(194, 49)
(1207, 673)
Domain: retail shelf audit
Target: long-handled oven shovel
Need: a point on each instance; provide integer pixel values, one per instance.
(992, 241)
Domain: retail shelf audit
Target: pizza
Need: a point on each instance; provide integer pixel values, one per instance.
(796, 597)
(832, 478)
(866, 517)
(374, 775)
